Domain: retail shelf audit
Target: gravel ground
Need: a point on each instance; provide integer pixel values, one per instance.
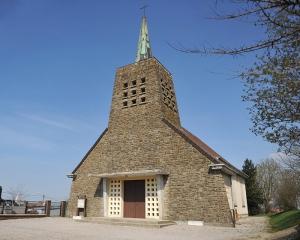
(56, 228)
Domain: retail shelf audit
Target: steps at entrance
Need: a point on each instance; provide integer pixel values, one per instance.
(151, 223)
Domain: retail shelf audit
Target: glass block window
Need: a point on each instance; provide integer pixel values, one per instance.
(151, 204)
(114, 198)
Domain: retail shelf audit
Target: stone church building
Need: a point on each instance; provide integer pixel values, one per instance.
(145, 164)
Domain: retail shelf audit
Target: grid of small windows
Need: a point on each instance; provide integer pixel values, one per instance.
(152, 205)
(168, 94)
(134, 92)
(114, 198)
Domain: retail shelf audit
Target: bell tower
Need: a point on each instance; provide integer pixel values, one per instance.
(144, 90)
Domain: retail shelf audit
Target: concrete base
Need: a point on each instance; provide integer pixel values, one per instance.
(138, 222)
(195, 223)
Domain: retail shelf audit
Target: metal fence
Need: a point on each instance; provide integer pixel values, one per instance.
(48, 208)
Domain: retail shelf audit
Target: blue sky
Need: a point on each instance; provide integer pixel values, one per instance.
(57, 64)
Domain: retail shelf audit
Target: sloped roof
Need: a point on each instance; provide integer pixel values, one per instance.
(91, 149)
(204, 148)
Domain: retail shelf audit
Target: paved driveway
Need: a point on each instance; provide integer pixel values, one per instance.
(56, 228)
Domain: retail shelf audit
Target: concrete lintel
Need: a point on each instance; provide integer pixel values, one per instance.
(141, 173)
(222, 168)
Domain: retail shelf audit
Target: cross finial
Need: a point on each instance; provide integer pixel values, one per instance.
(144, 9)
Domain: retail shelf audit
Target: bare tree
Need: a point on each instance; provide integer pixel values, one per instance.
(288, 190)
(268, 175)
(272, 84)
(279, 18)
(292, 163)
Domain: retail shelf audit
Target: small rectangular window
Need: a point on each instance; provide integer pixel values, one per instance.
(133, 92)
(133, 101)
(125, 94)
(125, 85)
(143, 80)
(133, 83)
(125, 104)
(143, 99)
(143, 90)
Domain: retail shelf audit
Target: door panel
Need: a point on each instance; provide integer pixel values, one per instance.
(134, 199)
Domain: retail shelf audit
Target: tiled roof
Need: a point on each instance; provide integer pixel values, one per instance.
(204, 148)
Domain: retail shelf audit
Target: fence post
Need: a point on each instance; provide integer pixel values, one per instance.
(26, 207)
(47, 207)
(2, 210)
(63, 205)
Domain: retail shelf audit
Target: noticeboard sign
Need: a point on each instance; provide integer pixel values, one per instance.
(81, 203)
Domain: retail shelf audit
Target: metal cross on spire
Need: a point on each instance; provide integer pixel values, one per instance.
(144, 9)
(144, 49)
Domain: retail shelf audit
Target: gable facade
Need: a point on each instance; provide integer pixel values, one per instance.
(145, 164)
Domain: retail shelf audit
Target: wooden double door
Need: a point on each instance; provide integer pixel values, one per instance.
(134, 199)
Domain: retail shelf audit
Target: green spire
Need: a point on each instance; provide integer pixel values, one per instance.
(144, 49)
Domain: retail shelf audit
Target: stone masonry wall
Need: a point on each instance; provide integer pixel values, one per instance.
(137, 139)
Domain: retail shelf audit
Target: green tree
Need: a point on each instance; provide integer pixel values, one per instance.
(254, 194)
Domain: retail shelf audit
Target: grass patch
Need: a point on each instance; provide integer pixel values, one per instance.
(285, 220)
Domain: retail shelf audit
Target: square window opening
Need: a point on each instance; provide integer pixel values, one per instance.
(125, 104)
(133, 101)
(133, 83)
(143, 90)
(125, 85)
(143, 99)
(133, 92)
(143, 80)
